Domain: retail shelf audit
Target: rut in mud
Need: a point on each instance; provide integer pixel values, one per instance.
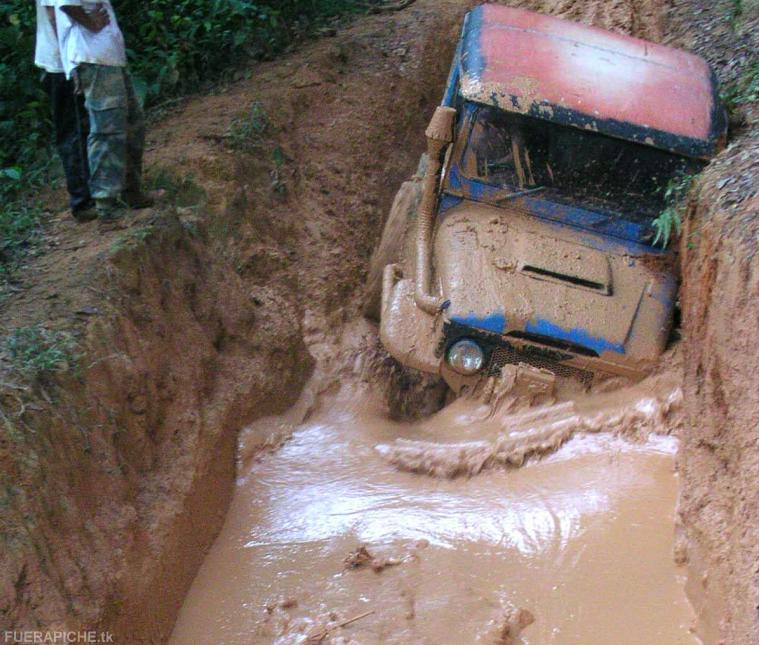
(217, 314)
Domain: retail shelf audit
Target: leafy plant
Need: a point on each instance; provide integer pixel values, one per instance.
(247, 133)
(13, 173)
(669, 219)
(24, 111)
(35, 350)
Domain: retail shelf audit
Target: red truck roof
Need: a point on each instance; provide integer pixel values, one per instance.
(581, 76)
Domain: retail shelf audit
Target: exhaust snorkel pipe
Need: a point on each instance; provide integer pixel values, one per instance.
(439, 135)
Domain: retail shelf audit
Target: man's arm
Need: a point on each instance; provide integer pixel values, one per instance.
(94, 21)
(51, 17)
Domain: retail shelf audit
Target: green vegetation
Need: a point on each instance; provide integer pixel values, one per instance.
(738, 12)
(18, 225)
(174, 47)
(669, 219)
(131, 239)
(35, 350)
(247, 133)
(745, 90)
(182, 191)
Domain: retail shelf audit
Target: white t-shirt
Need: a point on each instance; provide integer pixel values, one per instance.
(46, 53)
(80, 45)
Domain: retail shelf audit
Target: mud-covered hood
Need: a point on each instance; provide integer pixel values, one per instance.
(511, 273)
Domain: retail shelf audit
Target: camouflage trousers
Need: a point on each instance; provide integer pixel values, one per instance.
(117, 130)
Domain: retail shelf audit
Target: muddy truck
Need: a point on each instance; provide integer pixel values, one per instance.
(529, 235)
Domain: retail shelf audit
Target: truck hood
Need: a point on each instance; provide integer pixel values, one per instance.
(507, 272)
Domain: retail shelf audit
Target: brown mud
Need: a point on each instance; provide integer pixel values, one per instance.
(206, 318)
(565, 548)
(470, 436)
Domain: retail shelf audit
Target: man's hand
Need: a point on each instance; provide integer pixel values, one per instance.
(94, 21)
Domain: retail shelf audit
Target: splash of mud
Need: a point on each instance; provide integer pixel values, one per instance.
(652, 406)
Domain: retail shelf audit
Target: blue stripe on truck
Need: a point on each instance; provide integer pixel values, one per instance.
(576, 335)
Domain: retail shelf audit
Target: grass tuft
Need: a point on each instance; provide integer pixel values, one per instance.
(247, 133)
(182, 191)
(19, 225)
(745, 90)
(34, 351)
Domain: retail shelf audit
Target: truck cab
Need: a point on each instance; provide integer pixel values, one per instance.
(530, 238)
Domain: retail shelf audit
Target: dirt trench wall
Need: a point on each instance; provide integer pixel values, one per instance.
(640, 18)
(718, 460)
(134, 463)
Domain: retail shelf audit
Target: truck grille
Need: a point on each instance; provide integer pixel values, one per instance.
(507, 355)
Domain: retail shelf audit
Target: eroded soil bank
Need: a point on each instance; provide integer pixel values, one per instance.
(718, 505)
(199, 319)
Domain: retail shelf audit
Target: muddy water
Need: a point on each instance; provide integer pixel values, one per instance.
(582, 538)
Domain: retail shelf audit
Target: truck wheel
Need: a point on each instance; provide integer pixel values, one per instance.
(391, 247)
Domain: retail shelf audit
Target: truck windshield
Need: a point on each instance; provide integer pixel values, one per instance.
(572, 166)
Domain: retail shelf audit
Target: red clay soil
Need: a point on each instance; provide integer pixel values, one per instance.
(718, 460)
(115, 479)
(197, 319)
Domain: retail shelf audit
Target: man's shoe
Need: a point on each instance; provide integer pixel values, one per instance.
(142, 199)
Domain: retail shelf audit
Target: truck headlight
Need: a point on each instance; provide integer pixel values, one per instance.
(465, 357)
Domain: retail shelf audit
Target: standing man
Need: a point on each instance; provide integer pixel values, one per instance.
(93, 54)
(69, 114)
